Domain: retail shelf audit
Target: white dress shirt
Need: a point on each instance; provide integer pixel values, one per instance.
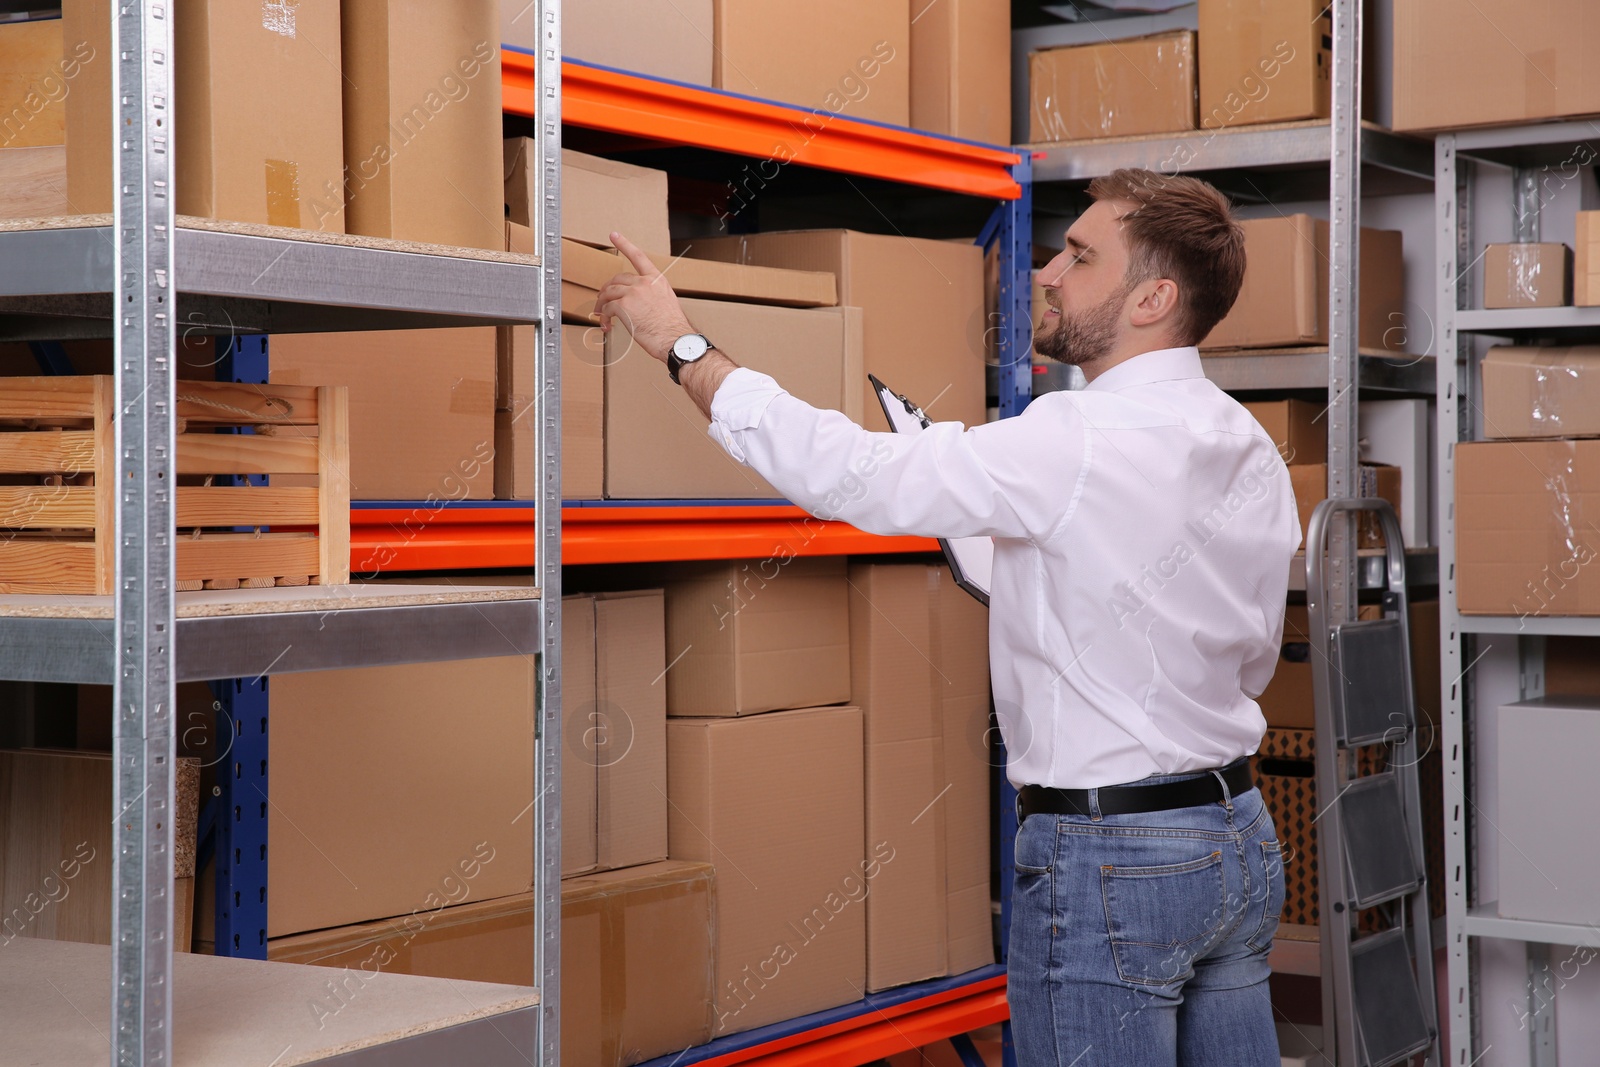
(1143, 532)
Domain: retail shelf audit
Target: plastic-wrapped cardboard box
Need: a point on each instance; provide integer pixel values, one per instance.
(1115, 89)
(422, 120)
(919, 668)
(656, 446)
(271, 157)
(1541, 392)
(961, 68)
(835, 58)
(1525, 534)
(774, 803)
(1527, 275)
(746, 637)
(421, 407)
(1264, 61)
(1284, 299)
(922, 311)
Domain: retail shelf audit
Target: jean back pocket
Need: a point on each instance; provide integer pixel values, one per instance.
(1160, 919)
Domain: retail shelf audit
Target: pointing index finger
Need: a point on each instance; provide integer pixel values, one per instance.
(640, 261)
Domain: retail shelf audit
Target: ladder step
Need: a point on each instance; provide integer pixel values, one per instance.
(1390, 1023)
(1382, 860)
(1372, 690)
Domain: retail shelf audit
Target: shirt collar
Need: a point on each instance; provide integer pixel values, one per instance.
(1161, 365)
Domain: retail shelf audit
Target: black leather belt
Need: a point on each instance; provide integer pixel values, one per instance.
(1132, 799)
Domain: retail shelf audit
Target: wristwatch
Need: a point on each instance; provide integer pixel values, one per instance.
(687, 349)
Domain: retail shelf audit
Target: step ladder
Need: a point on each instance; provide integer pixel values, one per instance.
(1377, 988)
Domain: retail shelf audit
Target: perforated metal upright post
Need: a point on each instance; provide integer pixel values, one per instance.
(143, 688)
(1015, 373)
(547, 448)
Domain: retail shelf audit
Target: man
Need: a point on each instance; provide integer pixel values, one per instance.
(1143, 532)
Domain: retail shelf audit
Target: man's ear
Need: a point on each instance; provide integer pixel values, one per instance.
(1156, 303)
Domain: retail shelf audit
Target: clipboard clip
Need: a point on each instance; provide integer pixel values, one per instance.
(911, 409)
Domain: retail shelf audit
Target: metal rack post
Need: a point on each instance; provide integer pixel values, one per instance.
(1015, 372)
(143, 685)
(547, 450)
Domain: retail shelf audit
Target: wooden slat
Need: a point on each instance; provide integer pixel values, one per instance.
(47, 452)
(333, 471)
(224, 453)
(246, 556)
(45, 507)
(67, 397)
(224, 505)
(285, 405)
(31, 566)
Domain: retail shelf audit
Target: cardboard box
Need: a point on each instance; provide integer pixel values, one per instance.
(961, 69)
(1284, 299)
(1499, 62)
(517, 468)
(919, 671)
(1586, 260)
(636, 957)
(598, 196)
(656, 441)
(385, 801)
(1546, 749)
(1296, 427)
(33, 182)
(625, 734)
(774, 803)
(56, 851)
(1309, 482)
(422, 120)
(1571, 667)
(1115, 89)
(1289, 700)
(421, 407)
(580, 778)
(921, 303)
(1541, 392)
(1526, 275)
(591, 268)
(661, 38)
(272, 158)
(33, 85)
(1525, 515)
(747, 636)
(1264, 61)
(849, 58)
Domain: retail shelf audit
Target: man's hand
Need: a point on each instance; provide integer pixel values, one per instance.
(644, 303)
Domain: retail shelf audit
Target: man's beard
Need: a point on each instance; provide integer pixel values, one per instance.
(1086, 336)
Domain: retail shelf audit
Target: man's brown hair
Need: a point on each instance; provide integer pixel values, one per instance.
(1182, 229)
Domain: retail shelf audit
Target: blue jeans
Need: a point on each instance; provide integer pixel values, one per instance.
(1142, 940)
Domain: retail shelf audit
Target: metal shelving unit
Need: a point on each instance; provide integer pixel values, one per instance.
(138, 277)
(1458, 157)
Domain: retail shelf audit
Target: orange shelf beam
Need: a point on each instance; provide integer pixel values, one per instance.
(642, 535)
(672, 113)
(428, 538)
(884, 1032)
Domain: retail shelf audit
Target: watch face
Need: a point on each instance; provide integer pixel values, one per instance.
(690, 347)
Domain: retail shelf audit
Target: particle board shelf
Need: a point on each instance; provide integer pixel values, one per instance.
(235, 278)
(1517, 322)
(878, 1026)
(248, 633)
(1485, 921)
(1531, 625)
(676, 113)
(1422, 569)
(1283, 145)
(249, 1013)
(1256, 370)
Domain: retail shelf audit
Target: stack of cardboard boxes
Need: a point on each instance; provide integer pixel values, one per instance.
(943, 66)
(1253, 61)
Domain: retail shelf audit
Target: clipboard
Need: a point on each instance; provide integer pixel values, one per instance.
(971, 559)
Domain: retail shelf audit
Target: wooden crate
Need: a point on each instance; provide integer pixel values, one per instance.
(58, 500)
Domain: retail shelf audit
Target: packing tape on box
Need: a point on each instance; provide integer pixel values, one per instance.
(283, 192)
(1548, 385)
(1522, 273)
